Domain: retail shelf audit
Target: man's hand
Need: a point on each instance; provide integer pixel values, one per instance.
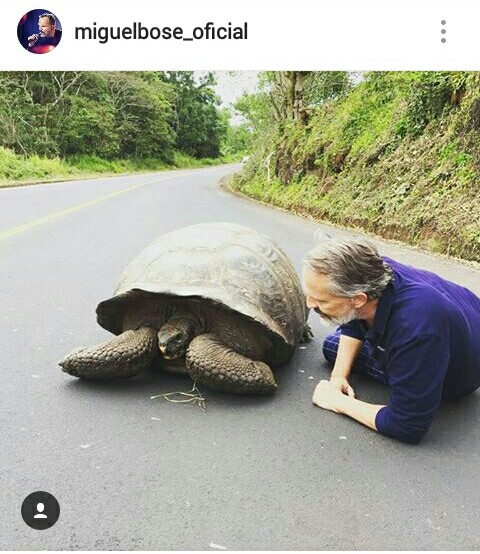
(342, 385)
(32, 39)
(327, 396)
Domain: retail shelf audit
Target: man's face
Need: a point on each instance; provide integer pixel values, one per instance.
(331, 308)
(46, 28)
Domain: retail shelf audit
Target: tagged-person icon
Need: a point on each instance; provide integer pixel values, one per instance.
(40, 508)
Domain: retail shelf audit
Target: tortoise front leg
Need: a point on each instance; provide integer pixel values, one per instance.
(213, 364)
(122, 356)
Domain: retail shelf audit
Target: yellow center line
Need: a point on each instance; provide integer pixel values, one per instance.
(62, 213)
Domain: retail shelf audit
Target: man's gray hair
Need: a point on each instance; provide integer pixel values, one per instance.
(353, 266)
(51, 18)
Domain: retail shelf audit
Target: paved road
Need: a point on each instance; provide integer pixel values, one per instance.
(250, 473)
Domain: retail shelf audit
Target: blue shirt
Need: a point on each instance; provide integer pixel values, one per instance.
(426, 338)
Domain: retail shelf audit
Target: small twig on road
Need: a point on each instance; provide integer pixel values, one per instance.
(194, 396)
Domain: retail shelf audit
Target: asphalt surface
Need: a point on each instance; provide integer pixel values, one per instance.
(250, 473)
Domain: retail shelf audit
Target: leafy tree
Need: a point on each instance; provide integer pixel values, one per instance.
(237, 139)
(102, 114)
(143, 113)
(90, 129)
(257, 109)
(324, 86)
(197, 122)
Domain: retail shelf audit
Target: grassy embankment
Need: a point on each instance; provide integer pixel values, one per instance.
(18, 170)
(398, 156)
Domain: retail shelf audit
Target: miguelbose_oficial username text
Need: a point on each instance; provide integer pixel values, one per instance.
(138, 31)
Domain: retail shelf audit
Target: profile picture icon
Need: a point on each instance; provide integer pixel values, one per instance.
(39, 31)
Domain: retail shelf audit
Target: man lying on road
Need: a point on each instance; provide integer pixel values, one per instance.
(403, 326)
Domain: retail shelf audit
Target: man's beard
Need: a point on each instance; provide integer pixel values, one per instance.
(346, 317)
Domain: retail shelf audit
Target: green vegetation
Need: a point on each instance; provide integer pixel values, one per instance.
(198, 126)
(395, 154)
(18, 170)
(60, 125)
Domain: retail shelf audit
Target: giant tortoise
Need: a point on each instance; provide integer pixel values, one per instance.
(218, 301)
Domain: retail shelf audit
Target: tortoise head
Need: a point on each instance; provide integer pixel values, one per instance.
(175, 336)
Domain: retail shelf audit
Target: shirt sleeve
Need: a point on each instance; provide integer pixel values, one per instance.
(353, 329)
(416, 371)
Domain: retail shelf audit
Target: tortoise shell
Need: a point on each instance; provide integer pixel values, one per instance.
(226, 264)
